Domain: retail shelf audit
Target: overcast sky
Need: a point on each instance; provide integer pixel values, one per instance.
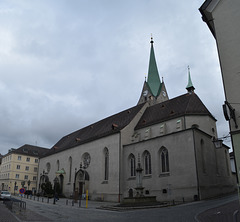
(65, 64)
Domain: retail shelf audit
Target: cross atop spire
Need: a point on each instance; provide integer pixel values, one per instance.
(190, 88)
(153, 79)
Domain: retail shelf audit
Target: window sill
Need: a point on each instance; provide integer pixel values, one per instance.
(164, 174)
(132, 178)
(105, 182)
(147, 176)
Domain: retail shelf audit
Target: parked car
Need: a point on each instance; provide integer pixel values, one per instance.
(5, 195)
(28, 192)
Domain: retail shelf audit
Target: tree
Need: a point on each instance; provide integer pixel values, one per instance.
(47, 188)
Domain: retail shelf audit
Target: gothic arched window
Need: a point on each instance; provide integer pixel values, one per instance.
(48, 166)
(70, 168)
(58, 165)
(164, 160)
(132, 164)
(106, 163)
(147, 163)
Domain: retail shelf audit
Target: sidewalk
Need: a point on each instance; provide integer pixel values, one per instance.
(66, 202)
(222, 213)
(229, 212)
(5, 214)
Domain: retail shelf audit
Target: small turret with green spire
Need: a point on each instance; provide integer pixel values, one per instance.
(190, 88)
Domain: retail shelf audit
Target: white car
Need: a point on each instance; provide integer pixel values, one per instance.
(5, 195)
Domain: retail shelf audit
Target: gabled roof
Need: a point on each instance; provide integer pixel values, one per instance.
(187, 104)
(102, 128)
(30, 150)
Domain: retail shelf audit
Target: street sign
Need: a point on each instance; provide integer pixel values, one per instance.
(22, 191)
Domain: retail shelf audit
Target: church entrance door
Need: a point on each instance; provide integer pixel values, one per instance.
(81, 183)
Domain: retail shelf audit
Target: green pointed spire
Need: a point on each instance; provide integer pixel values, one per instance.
(190, 87)
(153, 77)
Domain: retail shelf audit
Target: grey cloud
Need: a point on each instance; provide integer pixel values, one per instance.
(65, 64)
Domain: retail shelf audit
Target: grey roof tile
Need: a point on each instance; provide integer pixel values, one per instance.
(187, 104)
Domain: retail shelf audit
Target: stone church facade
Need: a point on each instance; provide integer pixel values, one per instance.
(170, 138)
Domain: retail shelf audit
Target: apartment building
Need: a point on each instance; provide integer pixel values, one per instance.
(19, 168)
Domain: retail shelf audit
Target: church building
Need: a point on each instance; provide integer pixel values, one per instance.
(170, 138)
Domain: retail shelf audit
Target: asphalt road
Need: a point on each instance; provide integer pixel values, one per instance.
(39, 211)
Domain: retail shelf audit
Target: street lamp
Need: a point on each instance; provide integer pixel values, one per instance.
(23, 183)
(217, 143)
(55, 183)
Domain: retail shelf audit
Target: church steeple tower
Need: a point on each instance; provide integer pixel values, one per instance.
(154, 90)
(190, 88)
(153, 80)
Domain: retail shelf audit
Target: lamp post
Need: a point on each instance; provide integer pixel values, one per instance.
(23, 183)
(15, 184)
(29, 182)
(55, 183)
(81, 182)
(75, 192)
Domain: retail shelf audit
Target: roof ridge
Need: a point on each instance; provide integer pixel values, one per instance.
(102, 120)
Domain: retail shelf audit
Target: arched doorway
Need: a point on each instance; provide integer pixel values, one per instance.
(43, 180)
(60, 176)
(81, 183)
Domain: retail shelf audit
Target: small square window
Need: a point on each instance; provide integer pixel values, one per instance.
(28, 159)
(36, 160)
(26, 177)
(18, 167)
(19, 157)
(35, 169)
(27, 168)
(34, 178)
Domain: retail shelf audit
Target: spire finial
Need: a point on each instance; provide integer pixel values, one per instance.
(151, 39)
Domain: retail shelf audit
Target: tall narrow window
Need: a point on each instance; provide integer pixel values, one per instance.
(70, 169)
(106, 164)
(132, 161)
(147, 163)
(58, 165)
(164, 160)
